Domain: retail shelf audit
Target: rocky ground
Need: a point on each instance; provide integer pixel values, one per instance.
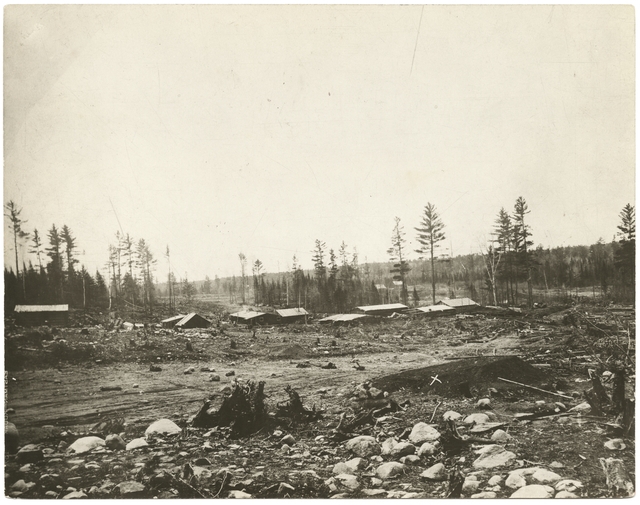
(120, 430)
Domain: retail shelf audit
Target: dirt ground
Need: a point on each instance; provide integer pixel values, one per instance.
(49, 402)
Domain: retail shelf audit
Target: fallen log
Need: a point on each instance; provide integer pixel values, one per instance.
(617, 478)
(535, 388)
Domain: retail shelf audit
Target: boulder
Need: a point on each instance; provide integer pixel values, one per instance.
(288, 439)
(436, 472)
(496, 480)
(11, 438)
(348, 480)
(500, 436)
(74, 495)
(130, 489)
(534, 491)
(351, 466)
(115, 442)
(494, 456)
(485, 494)
(30, 453)
(214, 377)
(544, 476)
(451, 415)
(238, 494)
(568, 485)
(411, 459)
(615, 444)
(86, 444)
(516, 478)
(387, 446)
(363, 446)
(427, 449)
(389, 470)
(136, 443)
(566, 494)
(163, 427)
(470, 486)
(422, 433)
(483, 403)
(477, 418)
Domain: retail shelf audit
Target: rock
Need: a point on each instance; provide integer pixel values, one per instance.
(516, 478)
(568, 485)
(387, 446)
(130, 489)
(136, 443)
(493, 456)
(376, 393)
(402, 449)
(477, 418)
(583, 407)
(556, 464)
(363, 446)
(163, 427)
(11, 438)
(411, 459)
(422, 432)
(500, 436)
(288, 439)
(470, 486)
(285, 488)
(238, 494)
(189, 370)
(21, 485)
(615, 444)
(115, 442)
(214, 377)
(534, 491)
(202, 475)
(30, 453)
(451, 415)
(51, 494)
(389, 470)
(484, 494)
(351, 466)
(427, 449)
(436, 472)
(25, 468)
(74, 495)
(373, 492)
(566, 494)
(86, 444)
(543, 476)
(496, 480)
(348, 480)
(230, 374)
(483, 403)
(155, 368)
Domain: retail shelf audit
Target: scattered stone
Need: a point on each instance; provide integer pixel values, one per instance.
(436, 472)
(373, 492)
(285, 488)
(615, 444)
(496, 480)
(11, 438)
(470, 486)
(163, 427)
(582, 407)
(477, 418)
(363, 446)
(451, 415)
(402, 449)
(288, 439)
(500, 436)
(155, 368)
(543, 476)
(427, 449)
(230, 374)
(483, 403)
(239, 494)
(568, 485)
(189, 370)
(516, 478)
(30, 453)
(411, 459)
(485, 494)
(26, 468)
(534, 491)
(422, 432)
(130, 489)
(348, 480)
(556, 464)
(214, 377)
(389, 470)
(20, 485)
(74, 495)
(136, 443)
(115, 442)
(493, 456)
(351, 466)
(566, 494)
(86, 444)
(387, 446)
(136, 386)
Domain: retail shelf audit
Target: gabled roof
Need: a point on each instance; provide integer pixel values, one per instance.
(342, 317)
(173, 318)
(458, 302)
(41, 308)
(292, 312)
(388, 306)
(189, 317)
(247, 314)
(436, 308)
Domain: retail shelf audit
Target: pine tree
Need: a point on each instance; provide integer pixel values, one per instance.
(55, 266)
(37, 248)
(430, 233)
(626, 254)
(397, 254)
(523, 244)
(15, 225)
(503, 233)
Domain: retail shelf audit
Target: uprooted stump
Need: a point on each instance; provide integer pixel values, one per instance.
(294, 410)
(243, 410)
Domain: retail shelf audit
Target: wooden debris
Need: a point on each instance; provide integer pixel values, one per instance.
(617, 478)
(535, 388)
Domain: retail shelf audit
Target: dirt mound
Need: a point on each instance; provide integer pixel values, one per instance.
(290, 351)
(461, 377)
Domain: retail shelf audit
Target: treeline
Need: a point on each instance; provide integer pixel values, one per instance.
(58, 278)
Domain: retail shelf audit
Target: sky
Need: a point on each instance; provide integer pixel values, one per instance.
(219, 130)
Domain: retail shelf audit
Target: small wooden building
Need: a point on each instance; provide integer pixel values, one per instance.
(193, 320)
(39, 315)
(435, 310)
(460, 304)
(292, 315)
(251, 317)
(170, 322)
(382, 310)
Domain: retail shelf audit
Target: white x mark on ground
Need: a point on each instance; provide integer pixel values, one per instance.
(435, 379)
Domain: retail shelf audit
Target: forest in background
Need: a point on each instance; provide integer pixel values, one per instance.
(509, 270)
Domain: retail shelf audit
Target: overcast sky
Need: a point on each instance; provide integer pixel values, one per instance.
(257, 129)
